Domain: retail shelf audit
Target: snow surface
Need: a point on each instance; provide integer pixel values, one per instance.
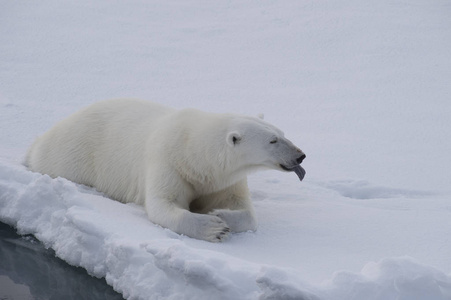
(361, 86)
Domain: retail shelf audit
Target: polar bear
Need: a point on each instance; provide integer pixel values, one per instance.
(187, 167)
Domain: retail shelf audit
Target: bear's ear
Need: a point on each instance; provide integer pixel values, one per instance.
(233, 138)
(261, 116)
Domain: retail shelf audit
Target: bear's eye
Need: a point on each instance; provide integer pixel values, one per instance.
(273, 141)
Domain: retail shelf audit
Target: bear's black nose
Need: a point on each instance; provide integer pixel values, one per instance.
(301, 158)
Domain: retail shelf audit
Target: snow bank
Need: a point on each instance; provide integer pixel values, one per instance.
(144, 261)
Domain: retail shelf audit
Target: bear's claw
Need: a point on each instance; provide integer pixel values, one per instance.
(223, 234)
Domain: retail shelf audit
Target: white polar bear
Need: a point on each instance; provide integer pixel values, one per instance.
(187, 167)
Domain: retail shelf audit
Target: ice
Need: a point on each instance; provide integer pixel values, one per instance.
(361, 87)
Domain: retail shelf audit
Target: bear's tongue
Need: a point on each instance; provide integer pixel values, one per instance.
(299, 171)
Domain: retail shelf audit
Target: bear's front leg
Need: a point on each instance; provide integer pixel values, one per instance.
(167, 204)
(199, 226)
(238, 220)
(234, 206)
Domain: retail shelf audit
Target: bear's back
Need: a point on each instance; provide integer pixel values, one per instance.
(101, 145)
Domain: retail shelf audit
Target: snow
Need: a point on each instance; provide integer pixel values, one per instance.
(362, 87)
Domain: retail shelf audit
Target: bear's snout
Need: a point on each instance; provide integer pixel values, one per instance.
(301, 158)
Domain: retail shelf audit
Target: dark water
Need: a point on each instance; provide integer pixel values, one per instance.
(29, 271)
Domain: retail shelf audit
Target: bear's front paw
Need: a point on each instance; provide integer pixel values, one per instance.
(228, 216)
(237, 220)
(216, 230)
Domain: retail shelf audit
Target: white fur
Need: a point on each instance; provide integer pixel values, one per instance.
(186, 166)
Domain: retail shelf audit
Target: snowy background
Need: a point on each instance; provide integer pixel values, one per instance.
(362, 87)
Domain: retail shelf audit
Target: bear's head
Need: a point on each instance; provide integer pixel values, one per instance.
(258, 144)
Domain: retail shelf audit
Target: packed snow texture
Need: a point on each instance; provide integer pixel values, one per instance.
(361, 86)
